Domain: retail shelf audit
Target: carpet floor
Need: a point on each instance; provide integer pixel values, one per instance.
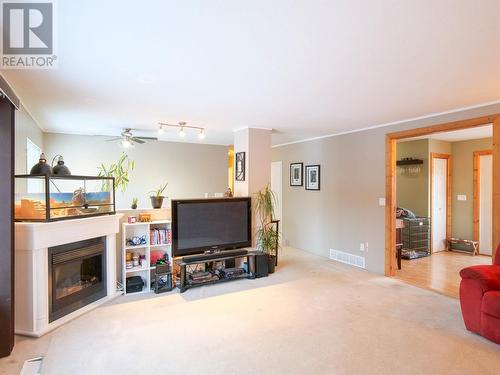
(313, 316)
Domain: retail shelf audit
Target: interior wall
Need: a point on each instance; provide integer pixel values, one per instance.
(412, 188)
(7, 120)
(346, 211)
(26, 127)
(191, 170)
(462, 169)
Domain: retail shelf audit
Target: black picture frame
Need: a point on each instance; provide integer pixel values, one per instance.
(239, 166)
(294, 179)
(313, 177)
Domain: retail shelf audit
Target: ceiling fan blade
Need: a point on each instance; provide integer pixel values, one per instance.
(113, 139)
(137, 140)
(147, 138)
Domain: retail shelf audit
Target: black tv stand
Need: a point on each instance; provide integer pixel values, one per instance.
(208, 259)
(213, 255)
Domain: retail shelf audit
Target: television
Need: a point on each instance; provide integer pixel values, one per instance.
(203, 225)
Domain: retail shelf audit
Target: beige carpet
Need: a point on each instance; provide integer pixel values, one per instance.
(314, 316)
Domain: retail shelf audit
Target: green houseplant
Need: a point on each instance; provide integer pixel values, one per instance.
(157, 197)
(120, 170)
(134, 203)
(267, 235)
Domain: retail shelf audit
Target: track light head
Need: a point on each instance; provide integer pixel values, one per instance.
(201, 134)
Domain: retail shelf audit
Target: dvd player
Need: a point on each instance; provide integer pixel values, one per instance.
(210, 256)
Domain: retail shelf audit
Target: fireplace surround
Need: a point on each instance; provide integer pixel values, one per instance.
(63, 270)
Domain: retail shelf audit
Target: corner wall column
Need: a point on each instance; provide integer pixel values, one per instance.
(256, 144)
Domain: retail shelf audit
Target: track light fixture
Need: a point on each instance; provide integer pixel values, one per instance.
(182, 126)
(201, 134)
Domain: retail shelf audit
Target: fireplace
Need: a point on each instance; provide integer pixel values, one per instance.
(77, 275)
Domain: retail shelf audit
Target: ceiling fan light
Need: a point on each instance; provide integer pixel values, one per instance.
(126, 143)
(161, 130)
(182, 133)
(201, 134)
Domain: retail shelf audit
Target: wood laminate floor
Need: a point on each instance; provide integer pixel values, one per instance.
(439, 272)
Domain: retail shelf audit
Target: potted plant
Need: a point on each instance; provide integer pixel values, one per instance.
(134, 203)
(120, 171)
(157, 197)
(267, 235)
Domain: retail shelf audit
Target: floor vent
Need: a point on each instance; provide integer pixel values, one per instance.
(343, 257)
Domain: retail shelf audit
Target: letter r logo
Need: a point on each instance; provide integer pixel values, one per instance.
(27, 28)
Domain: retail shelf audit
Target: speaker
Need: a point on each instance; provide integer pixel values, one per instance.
(261, 265)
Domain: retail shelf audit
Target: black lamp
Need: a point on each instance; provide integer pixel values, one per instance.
(60, 169)
(41, 167)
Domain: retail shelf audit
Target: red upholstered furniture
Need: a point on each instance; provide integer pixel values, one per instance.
(480, 299)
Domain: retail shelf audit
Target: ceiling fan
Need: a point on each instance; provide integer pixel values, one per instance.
(127, 139)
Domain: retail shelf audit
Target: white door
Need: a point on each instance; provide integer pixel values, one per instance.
(485, 203)
(277, 188)
(439, 181)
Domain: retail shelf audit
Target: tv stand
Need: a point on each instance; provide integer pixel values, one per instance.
(213, 255)
(208, 260)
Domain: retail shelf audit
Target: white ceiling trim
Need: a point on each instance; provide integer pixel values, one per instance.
(393, 123)
(251, 127)
(22, 106)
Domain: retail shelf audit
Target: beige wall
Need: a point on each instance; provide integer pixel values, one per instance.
(26, 127)
(412, 188)
(345, 212)
(191, 170)
(462, 183)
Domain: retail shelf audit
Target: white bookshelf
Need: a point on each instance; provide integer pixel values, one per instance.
(140, 229)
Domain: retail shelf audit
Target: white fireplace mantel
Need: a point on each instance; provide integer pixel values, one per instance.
(31, 274)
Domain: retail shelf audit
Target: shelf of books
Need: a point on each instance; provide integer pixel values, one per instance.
(143, 244)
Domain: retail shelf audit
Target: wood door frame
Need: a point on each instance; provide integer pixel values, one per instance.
(477, 174)
(390, 178)
(447, 157)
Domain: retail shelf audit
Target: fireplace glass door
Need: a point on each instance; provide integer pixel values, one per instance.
(77, 276)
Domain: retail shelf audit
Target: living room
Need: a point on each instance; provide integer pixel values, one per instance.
(229, 172)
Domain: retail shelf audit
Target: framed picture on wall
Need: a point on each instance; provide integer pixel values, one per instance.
(312, 177)
(296, 174)
(239, 169)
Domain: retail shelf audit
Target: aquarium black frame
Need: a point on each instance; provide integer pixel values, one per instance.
(47, 178)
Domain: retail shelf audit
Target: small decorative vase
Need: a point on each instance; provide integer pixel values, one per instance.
(157, 202)
(134, 206)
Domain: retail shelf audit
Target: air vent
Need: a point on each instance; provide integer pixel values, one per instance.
(343, 257)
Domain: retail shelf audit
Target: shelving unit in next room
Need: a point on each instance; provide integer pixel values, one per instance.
(154, 242)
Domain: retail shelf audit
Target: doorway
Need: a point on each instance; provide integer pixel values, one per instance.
(483, 200)
(435, 207)
(390, 210)
(440, 201)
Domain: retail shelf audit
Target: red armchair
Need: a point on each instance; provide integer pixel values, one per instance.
(480, 299)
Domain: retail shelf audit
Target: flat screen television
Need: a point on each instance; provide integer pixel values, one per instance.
(201, 225)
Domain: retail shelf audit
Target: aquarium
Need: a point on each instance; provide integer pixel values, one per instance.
(51, 198)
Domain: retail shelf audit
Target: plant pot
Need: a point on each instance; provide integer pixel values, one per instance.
(271, 261)
(134, 206)
(157, 202)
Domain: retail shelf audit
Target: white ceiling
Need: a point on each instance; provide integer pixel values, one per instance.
(305, 68)
(459, 135)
